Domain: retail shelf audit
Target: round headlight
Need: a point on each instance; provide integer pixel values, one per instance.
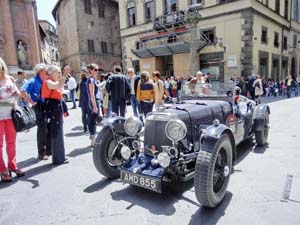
(133, 126)
(175, 130)
(125, 152)
(163, 159)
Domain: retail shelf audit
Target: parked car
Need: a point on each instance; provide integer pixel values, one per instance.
(66, 95)
(195, 138)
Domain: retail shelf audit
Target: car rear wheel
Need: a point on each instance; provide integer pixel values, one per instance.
(104, 162)
(261, 136)
(213, 170)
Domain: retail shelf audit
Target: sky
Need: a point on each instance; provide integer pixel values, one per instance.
(44, 8)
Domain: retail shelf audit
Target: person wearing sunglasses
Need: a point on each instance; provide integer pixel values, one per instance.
(92, 90)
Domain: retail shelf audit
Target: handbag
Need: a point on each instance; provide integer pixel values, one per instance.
(23, 118)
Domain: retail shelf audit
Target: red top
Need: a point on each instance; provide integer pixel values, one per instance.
(51, 93)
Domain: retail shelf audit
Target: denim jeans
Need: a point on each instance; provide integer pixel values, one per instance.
(146, 107)
(72, 97)
(85, 116)
(134, 104)
(108, 110)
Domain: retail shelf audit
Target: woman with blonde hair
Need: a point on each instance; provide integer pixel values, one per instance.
(52, 93)
(8, 97)
(146, 93)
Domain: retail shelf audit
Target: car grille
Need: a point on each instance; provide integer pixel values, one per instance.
(155, 135)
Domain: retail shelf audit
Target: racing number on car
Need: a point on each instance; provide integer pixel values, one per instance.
(231, 122)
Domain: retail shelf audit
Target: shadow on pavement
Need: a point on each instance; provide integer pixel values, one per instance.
(75, 134)
(77, 128)
(261, 149)
(98, 186)
(30, 173)
(208, 216)
(28, 162)
(80, 151)
(244, 149)
(158, 204)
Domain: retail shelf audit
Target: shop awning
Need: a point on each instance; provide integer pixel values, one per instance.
(163, 50)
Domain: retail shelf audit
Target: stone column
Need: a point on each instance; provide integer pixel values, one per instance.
(10, 51)
(192, 20)
(33, 48)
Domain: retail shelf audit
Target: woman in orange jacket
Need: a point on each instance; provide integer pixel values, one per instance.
(146, 93)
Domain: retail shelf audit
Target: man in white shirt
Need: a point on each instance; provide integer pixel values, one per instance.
(133, 84)
(71, 85)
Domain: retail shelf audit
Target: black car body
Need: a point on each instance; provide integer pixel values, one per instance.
(195, 138)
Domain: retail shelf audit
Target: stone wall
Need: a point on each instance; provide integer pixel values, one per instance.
(18, 22)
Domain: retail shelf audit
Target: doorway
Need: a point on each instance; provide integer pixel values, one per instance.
(168, 67)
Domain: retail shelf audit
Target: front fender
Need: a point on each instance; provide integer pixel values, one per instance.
(116, 124)
(259, 116)
(213, 133)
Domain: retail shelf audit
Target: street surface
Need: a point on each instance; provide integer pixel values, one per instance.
(77, 194)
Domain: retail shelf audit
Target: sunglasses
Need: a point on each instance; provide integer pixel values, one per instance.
(96, 70)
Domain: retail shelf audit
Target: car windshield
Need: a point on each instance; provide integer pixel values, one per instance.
(215, 89)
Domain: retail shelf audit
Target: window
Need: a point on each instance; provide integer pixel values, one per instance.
(170, 6)
(295, 41)
(58, 19)
(286, 9)
(91, 47)
(285, 43)
(112, 48)
(276, 39)
(208, 35)
(267, 3)
(277, 6)
(264, 35)
(104, 47)
(139, 45)
(131, 13)
(296, 10)
(225, 1)
(149, 9)
(101, 7)
(88, 6)
(193, 2)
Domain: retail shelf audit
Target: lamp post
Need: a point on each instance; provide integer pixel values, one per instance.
(192, 19)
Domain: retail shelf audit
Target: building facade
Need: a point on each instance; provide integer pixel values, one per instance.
(19, 34)
(232, 37)
(49, 43)
(89, 32)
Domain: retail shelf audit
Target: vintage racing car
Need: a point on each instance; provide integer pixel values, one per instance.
(195, 138)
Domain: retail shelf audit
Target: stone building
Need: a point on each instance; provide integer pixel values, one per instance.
(49, 43)
(19, 34)
(89, 32)
(232, 37)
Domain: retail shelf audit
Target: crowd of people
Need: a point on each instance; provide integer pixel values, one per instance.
(100, 95)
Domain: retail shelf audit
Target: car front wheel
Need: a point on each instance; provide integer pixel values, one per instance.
(213, 170)
(105, 163)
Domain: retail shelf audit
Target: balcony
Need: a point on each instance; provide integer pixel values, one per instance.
(172, 20)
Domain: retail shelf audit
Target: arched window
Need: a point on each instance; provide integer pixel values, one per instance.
(131, 13)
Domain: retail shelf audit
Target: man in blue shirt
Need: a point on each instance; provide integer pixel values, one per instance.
(31, 92)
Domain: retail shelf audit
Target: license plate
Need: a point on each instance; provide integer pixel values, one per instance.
(141, 181)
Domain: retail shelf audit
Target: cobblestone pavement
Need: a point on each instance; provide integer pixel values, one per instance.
(76, 193)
